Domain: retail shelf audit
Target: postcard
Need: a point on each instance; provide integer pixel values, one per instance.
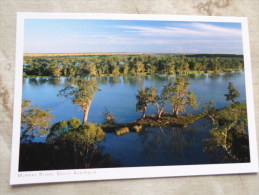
(117, 96)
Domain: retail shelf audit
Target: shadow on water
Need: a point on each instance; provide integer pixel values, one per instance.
(231, 74)
(114, 80)
(33, 81)
(167, 145)
(131, 80)
(161, 78)
(102, 80)
(160, 146)
(43, 80)
(55, 81)
(215, 76)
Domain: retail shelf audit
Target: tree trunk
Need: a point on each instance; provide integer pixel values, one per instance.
(176, 113)
(86, 111)
(160, 113)
(144, 113)
(158, 110)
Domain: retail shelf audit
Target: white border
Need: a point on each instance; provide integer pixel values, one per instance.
(32, 177)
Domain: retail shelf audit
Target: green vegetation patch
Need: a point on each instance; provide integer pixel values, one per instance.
(171, 121)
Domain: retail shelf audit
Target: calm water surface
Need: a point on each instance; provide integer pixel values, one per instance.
(152, 146)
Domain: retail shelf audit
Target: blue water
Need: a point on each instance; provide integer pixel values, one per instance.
(152, 146)
(155, 146)
(118, 94)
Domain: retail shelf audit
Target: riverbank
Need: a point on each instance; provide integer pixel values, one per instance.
(140, 74)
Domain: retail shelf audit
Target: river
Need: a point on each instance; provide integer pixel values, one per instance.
(153, 145)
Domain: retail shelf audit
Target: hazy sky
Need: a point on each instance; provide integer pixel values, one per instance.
(75, 35)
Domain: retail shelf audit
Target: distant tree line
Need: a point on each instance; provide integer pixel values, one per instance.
(114, 65)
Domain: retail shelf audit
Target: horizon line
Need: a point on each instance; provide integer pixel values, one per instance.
(118, 53)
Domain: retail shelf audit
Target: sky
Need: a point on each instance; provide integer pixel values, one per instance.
(94, 36)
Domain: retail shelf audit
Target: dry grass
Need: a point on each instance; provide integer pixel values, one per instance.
(79, 54)
(122, 131)
(137, 128)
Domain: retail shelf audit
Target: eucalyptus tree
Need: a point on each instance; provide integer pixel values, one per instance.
(138, 67)
(229, 133)
(179, 96)
(232, 94)
(143, 101)
(159, 101)
(80, 139)
(34, 121)
(91, 69)
(81, 92)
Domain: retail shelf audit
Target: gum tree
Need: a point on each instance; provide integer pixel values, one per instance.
(81, 92)
(143, 101)
(233, 93)
(34, 121)
(180, 97)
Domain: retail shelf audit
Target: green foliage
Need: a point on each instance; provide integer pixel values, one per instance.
(34, 121)
(81, 92)
(176, 93)
(57, 130)
(192, 100)
(75, 123)
(143, 101)
(84, 136)
(209, 107)
(180, 97)
(62, 127)
(108, 65)
(229, 134)
(73, 130)
(233, 93)
(81, 138)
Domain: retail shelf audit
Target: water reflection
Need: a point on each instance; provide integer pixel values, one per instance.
(54, 81)
(33, 81)
(114, 80)
(102, 80)
(215, 76)
(161, 78)
(43, 80)
(131, 80)
(170, 142)
(38, 81)
(232, 74)
(158, 146)
(200, 76)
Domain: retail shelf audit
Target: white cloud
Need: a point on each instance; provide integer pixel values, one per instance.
(166, 31)
(193, 30)
(216, 30)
